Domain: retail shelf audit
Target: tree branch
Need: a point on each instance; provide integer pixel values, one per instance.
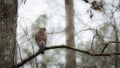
(67, 47)
(106, 44)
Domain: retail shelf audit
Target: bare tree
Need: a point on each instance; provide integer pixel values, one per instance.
(8, 24)
(117, 45)
(70, 55)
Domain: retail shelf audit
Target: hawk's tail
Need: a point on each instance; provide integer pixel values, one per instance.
(42, 48)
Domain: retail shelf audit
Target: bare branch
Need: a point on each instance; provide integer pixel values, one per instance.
(104, 48)
(106, 44)
(67, 47)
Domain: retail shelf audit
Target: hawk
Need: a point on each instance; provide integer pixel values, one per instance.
(40, 38)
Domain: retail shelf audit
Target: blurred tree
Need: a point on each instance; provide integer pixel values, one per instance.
(8, 25)
(69, 30)
(107, 33)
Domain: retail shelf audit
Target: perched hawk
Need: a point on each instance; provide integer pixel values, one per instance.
(41, 38)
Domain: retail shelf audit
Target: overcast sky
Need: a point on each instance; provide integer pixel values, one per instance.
(32, 9)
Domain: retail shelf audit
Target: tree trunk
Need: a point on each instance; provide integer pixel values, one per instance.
(70, 55)
(8, 24)
(117, 45)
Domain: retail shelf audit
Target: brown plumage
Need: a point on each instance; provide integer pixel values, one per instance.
(41, 38)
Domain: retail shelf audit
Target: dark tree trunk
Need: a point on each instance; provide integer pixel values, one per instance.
(8, 25)
(70, 54)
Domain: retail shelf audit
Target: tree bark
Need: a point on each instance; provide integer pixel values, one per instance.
(117, 45)
(69, 30)
(8, 25)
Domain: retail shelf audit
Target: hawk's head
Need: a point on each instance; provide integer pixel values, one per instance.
(42, 29)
